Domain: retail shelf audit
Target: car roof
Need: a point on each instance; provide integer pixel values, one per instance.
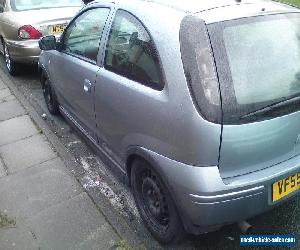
(214, 10)
(194, 6)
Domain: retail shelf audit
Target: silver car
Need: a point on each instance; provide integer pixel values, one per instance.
(24, 22)
(200, 111)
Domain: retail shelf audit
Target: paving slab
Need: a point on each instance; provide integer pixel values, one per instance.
(29, 192)
(2, 85)
(18, 238)
(26, 153)
(2, 169)
(16, 129)
(73, 224)
(8, 98)
(4, 93)
(10, 110)
(51, 209)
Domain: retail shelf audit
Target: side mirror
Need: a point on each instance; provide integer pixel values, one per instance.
(47, 43)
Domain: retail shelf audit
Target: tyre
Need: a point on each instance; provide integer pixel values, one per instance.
(12, 67)
(154, 202)
(50, 97)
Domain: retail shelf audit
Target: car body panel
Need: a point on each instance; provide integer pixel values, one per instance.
(192, 6)
(37, 17)
(247, 9)
(206, 201)
(70, 90)
(252, 147)
(122, 130)
(24, 51)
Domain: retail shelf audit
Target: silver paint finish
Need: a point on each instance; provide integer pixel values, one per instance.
(247, 9)
(165, 128)
(130, 114)
(251, 147)
(207, 200)
(228, 196)
(70, 89)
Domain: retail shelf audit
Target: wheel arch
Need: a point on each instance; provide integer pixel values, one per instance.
(43, 74)
(135, 153)
(149, 156)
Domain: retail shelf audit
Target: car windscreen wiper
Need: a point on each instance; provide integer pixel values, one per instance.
(282, 103)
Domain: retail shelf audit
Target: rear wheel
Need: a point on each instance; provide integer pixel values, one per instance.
(12, 67)
(155, 204)
(50, 97)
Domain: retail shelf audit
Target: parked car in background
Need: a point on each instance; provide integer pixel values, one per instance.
(24, 22)
(200, 112)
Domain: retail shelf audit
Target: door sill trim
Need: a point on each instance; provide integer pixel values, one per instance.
(91, 139)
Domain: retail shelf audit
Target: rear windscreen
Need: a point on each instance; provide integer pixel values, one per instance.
(22, 5)
(258, 61)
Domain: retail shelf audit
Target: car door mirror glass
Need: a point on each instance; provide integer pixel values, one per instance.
(47, 43)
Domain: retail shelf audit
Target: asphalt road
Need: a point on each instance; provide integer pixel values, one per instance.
(113, 197)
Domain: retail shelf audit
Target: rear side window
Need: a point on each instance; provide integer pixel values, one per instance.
(130, 52)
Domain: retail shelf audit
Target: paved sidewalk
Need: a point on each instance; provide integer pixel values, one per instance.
(41, 204)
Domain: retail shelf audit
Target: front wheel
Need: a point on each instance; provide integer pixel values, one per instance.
(12, 66)
(50, 97)
(154, 202)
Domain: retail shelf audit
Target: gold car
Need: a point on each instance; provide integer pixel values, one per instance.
(24, 22)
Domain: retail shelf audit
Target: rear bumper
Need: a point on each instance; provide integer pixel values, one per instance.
(26, 51)
(206, 202)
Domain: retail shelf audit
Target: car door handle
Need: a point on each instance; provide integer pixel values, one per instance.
(87, 86)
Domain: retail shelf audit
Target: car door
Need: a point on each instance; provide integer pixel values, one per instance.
(74, 67)
(131, 78)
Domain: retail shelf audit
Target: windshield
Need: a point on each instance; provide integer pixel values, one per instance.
(259, 61)
(21, 5)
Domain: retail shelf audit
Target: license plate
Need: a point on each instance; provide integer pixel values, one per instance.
(286, 186)
(56, 29)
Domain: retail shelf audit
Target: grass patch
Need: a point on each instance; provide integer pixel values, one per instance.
(5, 221)
(123, 245)
(293, 2)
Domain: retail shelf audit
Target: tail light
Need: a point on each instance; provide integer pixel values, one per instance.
(29, 32)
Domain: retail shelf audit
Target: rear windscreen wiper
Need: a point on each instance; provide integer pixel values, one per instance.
(282, 103)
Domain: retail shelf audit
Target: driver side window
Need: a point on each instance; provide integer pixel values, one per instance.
(83, 36)
(131, 53)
